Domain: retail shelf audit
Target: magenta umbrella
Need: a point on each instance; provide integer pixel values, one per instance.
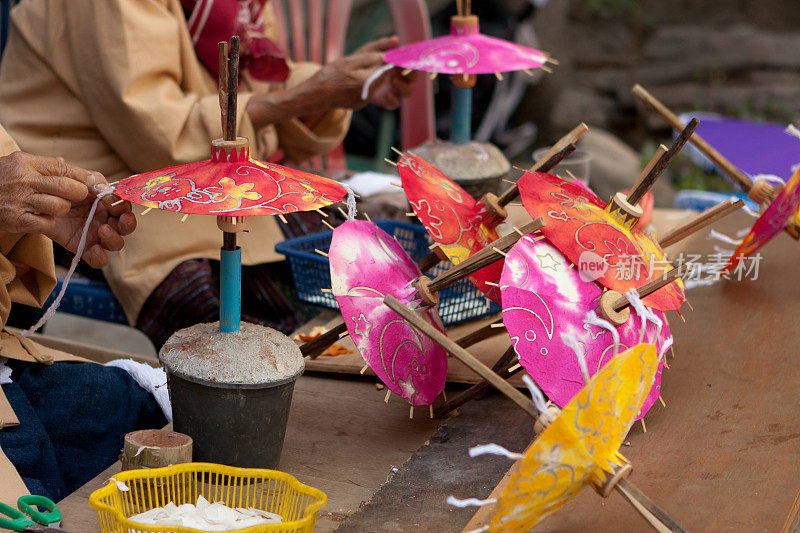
(367, 264)
(544, 295)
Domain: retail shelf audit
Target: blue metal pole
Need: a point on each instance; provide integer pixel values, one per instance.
(462, 115)
(230, 290)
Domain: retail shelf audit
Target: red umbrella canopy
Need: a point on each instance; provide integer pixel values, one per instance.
(453, 219)
(230, 184)
(599, 242)
(775, 217)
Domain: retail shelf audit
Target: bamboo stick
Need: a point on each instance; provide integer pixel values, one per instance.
(675, 123)
(482, 258)
(561, 149)
(652, 286)
(502, 367)
(660, 151)
(462, 355)
(486, 332)
(223, 86)
(708, 217)
(233, 88)
(661, 164)
(658, 518)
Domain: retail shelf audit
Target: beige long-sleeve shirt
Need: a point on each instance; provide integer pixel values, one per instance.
(27, 276)
(115, 86)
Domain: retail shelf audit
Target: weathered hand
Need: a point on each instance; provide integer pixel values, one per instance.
(387, 90)
(35, 190)
(110, 224)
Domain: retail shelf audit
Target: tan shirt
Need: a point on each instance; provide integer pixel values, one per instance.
(27, 276)
(115, 86)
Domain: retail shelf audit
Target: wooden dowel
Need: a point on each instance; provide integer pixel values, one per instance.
(660, 151)
(481, 258)
(663, 162)
(561, 149)
(708, 217)
(675, 123)
(223, 87)
(233, 87)
(506, 360)
(486, 332)
(428, 262)
(652, 286)
(657, 517)
(228, 241)
(462, 355)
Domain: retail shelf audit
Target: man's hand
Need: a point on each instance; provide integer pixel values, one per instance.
(48, 196)
(35, 190)
(110, 224)
(336, 85)
(387, 90)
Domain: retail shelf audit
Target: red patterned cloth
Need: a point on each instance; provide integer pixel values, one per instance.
(212, 21)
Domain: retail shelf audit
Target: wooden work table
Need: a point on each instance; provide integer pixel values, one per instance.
(723, 455)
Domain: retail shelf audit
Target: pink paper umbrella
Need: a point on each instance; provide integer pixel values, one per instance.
(366, 265)
(775, 217)
(465, 51)
(453, 219)
(543, 296)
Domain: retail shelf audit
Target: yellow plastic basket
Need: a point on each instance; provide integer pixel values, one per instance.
(267, 490)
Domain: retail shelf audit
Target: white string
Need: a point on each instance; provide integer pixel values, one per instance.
(754, 214)
(352, 212)
(372, 78)
(537, 396)
(792, 130)
(75, 260)
(593, 319)
(769, 178)
(570, 341)
(664, 347)
(645, 314)
(494, 449)
(714, 234)
(469, 502)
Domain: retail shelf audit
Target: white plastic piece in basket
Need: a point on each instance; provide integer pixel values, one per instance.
(206, 516)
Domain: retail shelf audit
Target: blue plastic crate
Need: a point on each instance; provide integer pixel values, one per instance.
(311, 272)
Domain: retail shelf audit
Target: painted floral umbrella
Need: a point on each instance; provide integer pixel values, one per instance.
(579, 447)
(587, 231)
(453, 219)
(231, 186)
(458, 223)
(545, 296)
(463, 54)
(366, 265)
(780, 212)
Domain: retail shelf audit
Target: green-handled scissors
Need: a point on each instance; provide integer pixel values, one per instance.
(28, 517)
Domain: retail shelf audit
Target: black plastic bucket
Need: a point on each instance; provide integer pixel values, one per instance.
(232, 424)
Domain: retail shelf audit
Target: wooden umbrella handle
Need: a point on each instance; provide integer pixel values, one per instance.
(649, 288)
(486, 256)
(708, 217)
(675, 123)
(462, 355)
(644, 184)
(657, 517)
(233, 88)
(561, 149)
